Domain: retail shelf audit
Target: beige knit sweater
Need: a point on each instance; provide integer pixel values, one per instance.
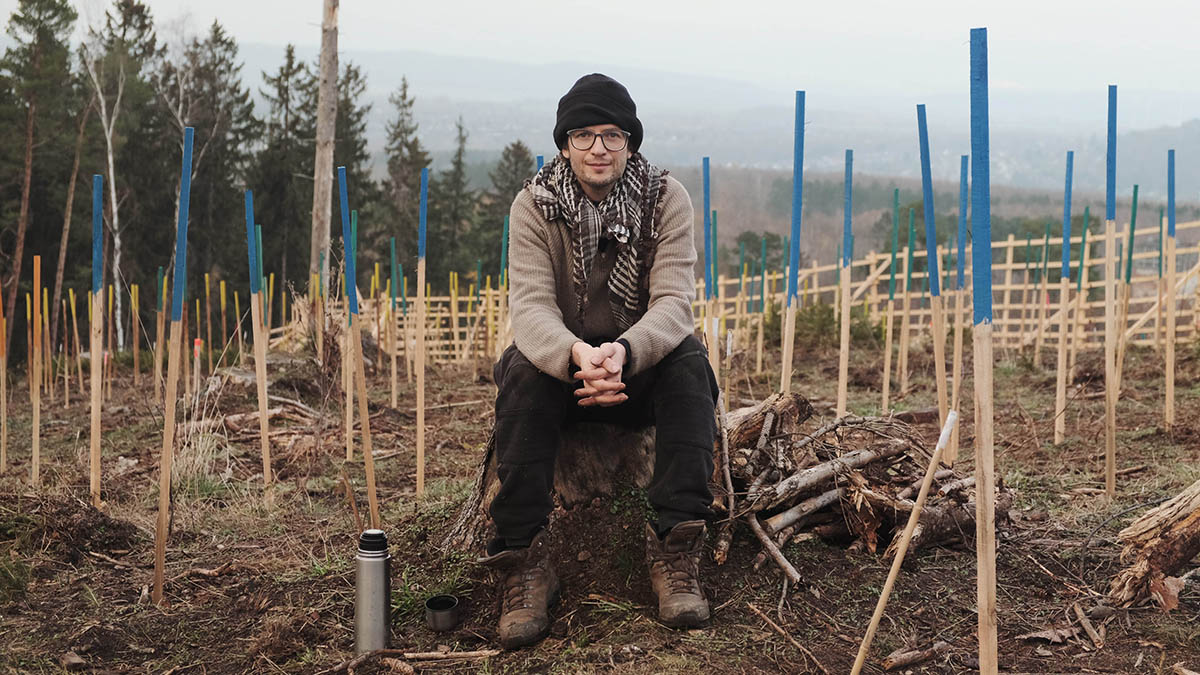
(544, 318)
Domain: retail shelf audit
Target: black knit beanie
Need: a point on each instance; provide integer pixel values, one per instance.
(597, 99)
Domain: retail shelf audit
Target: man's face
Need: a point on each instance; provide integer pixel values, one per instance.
(597, 168)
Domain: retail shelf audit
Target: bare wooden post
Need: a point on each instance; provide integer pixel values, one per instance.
(1011, 312)
(160, 335)
(237, 326)
(905, 538)
(1043, 301)
(186, 367)
(1064, 297)
(1081, 291)
(78, 344)
(847, 292)
(905, 306)
(178, 311)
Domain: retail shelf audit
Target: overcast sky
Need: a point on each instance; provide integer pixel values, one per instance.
(847, 48)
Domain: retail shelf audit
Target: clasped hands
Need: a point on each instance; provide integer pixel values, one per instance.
(600, 371)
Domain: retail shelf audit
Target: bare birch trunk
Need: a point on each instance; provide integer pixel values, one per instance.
(326, 125)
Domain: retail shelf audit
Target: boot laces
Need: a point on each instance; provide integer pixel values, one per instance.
(680, 572)
(517, 588)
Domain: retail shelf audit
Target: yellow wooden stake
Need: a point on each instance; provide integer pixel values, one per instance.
(207, 320)
(224, 328)
(137, 336)
(35, 390)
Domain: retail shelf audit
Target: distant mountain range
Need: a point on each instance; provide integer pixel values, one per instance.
(740, 124)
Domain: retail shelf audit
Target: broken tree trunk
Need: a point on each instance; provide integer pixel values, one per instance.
(1157, 545)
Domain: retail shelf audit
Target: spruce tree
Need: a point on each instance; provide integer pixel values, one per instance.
(405, 159)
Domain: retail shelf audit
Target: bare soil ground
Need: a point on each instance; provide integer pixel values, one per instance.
(253, 589)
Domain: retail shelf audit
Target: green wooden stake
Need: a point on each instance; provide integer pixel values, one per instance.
(1132, 227)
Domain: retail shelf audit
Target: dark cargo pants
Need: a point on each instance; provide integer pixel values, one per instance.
(677, 396)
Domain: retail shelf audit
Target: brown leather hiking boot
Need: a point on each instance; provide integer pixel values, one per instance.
(675, 574)
(528, 587)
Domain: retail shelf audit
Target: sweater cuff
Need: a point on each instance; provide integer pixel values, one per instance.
(628, 354)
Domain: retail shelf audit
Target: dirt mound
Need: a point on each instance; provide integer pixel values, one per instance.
(71, 527)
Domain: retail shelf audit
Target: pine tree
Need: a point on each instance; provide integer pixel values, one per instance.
(508, 178)
(452, 213)
(281, 171)
(405, 159)
(38, 63)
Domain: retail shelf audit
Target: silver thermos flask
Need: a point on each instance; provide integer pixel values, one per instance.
(372, 594)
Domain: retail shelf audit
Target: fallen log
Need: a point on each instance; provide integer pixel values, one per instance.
(1157, 545)
(903, 658)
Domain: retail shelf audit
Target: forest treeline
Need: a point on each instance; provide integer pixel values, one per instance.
(116, 103)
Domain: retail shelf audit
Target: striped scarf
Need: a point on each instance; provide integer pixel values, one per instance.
(628, 215)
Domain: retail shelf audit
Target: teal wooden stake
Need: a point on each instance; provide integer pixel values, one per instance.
(403, 291)
(762, 266)
(502, 277)
(895, 243)
(741, 264)
(1132, 228)
(478, 277)
(912, 233)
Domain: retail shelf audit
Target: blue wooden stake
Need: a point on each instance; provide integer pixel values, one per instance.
(927, 202)
(847, 207)
(981, 266)
(423, 216)
(708, 243)
(1066, 228)
(797, 197)
(541, 161)
(98, 234)
(962, 224)
(251, 244)
(347, 241)
(185, 198)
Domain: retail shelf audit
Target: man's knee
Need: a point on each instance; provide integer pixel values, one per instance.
(687, 368)
(520, 383)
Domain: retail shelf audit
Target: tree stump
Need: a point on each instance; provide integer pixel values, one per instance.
(592, 462)
(1157, 545)
(596, 459)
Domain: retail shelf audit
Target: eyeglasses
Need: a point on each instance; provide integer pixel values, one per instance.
(614, 140)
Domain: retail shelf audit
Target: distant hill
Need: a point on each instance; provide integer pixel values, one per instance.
(740, 124)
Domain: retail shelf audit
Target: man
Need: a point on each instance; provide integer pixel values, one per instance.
(602, 257)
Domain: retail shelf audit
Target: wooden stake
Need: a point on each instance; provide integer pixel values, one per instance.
(78, 344)
(985, 501)
(887, 356)
(1169, 341)
(237, 326)
(208, 320)
(1012, 315)
(1110, 355)
(1169, 338)
(905, 538)
(110, 354)
(187, 369)
(1043, 300)
(1081, 292)
(96, 347)
(3, 394)
(260, 375)
(347, 384)
(66, 358)
(905, 306)
(137, 337)
(35, 394)
(197, 367)
(420, 368)
(789, 339)
(1060, 394)
(844, 352)
(224, 328)
(165, 460)
(364, 415)
(939, 354)
(160, 336)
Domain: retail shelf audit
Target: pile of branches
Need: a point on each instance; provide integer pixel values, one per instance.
(853, 480)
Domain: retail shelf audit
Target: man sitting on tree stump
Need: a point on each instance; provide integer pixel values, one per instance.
(602, 256)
